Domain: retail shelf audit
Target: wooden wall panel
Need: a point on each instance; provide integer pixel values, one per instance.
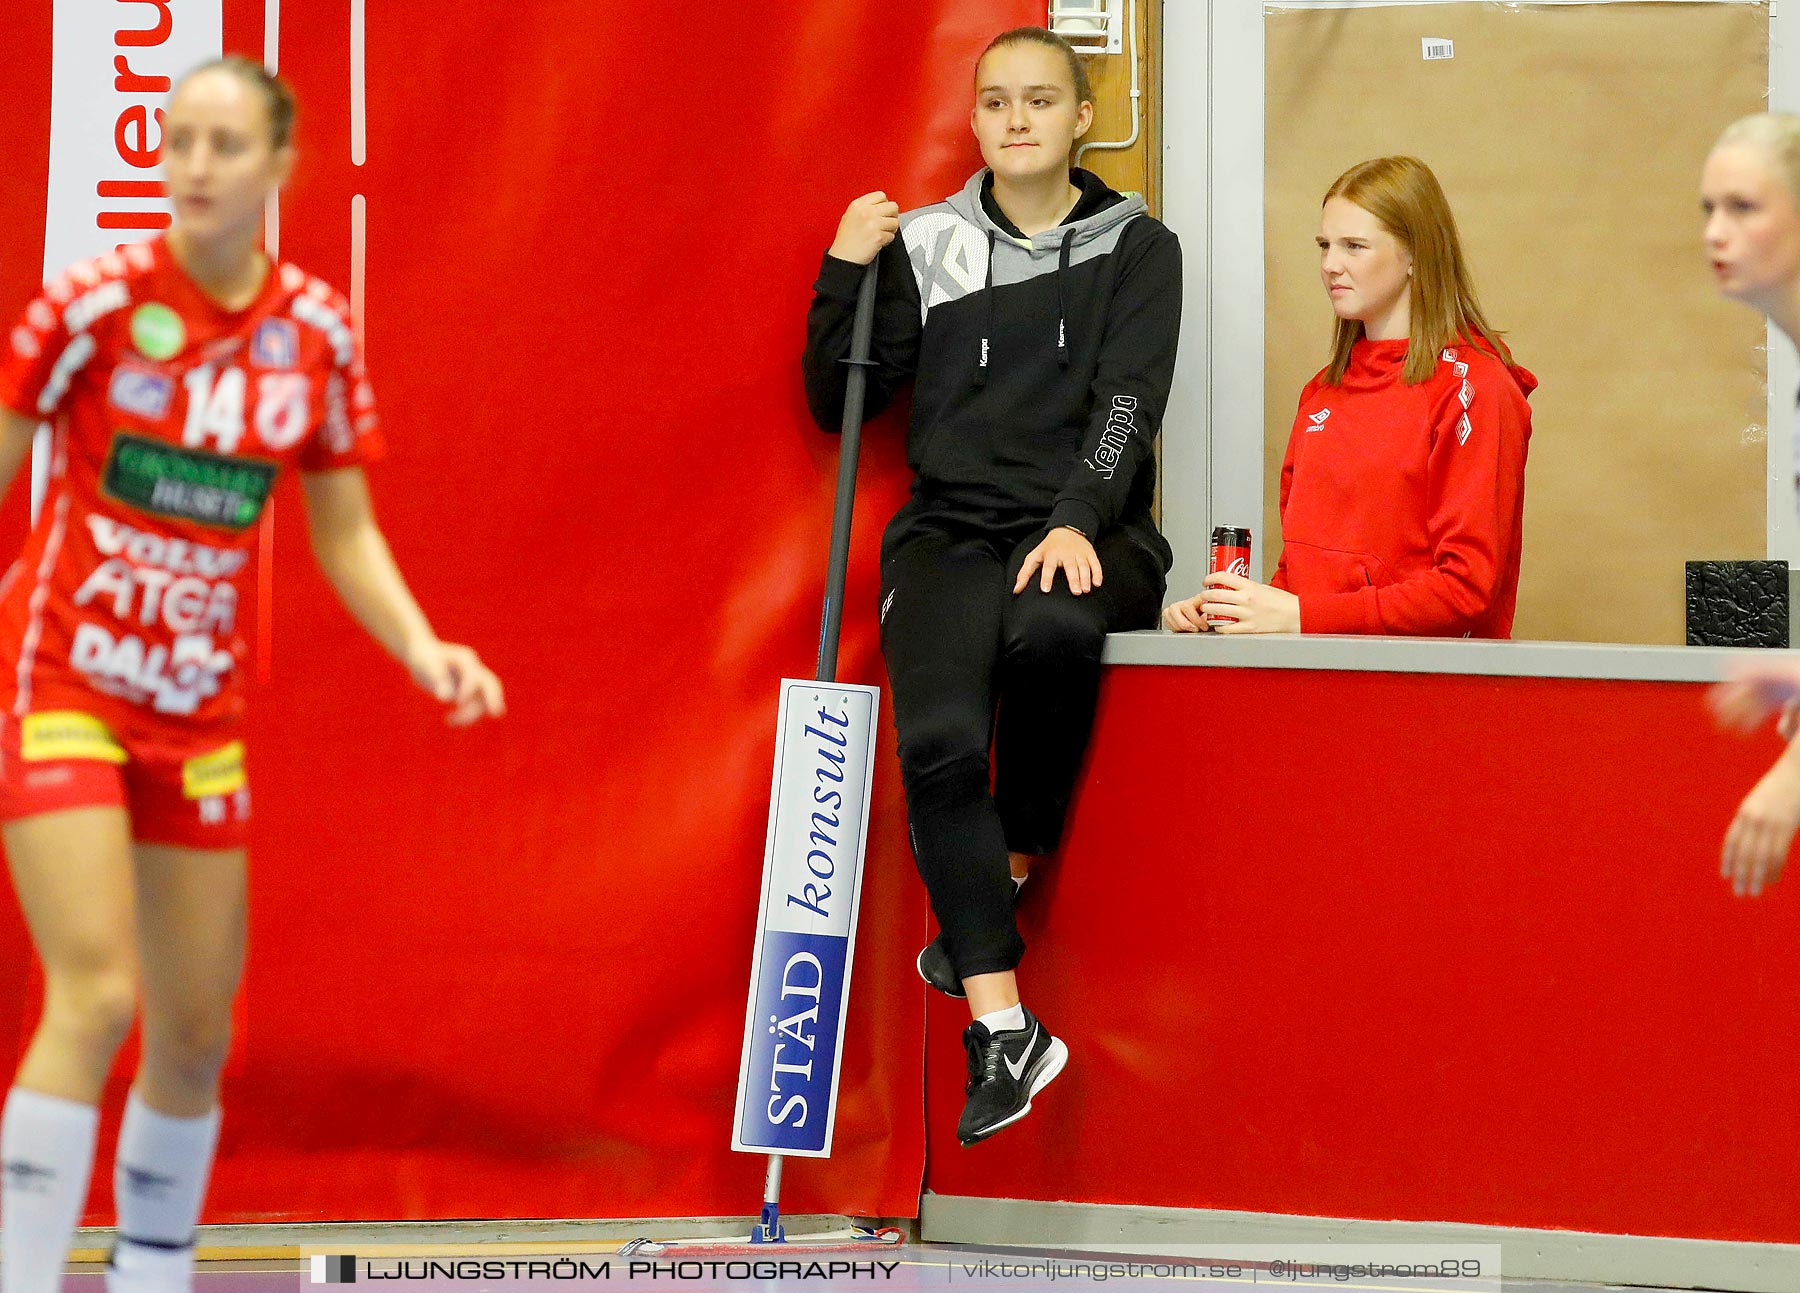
(1137, 168)
(1569, 139)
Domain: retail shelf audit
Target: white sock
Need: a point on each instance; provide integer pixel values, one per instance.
(1009, 1020)
(159, 1181)
(47, 1147)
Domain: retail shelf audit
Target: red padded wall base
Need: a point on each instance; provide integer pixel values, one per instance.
(1403, 946)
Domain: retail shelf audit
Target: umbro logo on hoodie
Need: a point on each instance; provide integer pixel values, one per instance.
(1318, 420)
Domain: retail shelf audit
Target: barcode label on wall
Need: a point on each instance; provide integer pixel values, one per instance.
(1436, 48)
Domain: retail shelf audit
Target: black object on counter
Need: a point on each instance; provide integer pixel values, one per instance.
(1737, 603)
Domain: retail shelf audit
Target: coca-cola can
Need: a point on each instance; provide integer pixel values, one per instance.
(1230, 555)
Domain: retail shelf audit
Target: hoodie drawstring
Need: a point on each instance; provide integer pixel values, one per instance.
(981, 359)
(1062, 331)
(1062, 308)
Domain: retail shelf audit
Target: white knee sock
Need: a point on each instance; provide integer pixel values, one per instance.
(1009, 1020)
(47, 1148)
(159, 1180)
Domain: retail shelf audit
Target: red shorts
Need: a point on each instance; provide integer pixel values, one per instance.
(180, 789)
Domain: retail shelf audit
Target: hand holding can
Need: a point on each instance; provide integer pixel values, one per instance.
(1230, 556)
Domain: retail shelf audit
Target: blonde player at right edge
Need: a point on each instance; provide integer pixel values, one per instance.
(1750, 192)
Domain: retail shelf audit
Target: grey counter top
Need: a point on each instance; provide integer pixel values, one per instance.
(1429, 655)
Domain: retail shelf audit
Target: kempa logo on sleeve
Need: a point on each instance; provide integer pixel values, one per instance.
(1117, 433)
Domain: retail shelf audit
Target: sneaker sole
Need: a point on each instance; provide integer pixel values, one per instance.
(919, 965)
(1055, 1057)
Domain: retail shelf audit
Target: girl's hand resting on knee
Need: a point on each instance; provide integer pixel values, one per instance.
(1066, 550)
(1253, 607)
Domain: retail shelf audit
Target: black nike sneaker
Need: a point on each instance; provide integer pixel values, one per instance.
(1005, 1070)
(936, 969)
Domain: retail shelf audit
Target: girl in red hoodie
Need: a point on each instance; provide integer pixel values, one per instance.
(1404, 483)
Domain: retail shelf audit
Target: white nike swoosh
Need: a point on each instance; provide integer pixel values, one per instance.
(1018, 1070)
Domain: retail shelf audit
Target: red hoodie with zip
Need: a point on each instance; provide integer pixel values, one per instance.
(1401, 505)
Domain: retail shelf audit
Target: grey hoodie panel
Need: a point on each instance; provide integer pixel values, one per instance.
(947, 244)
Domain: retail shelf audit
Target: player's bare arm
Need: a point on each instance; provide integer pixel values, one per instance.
(355, 557)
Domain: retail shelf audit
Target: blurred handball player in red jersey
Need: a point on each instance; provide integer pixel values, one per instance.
(181, 376)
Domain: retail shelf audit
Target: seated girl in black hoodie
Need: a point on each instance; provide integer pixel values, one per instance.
(1035, 313)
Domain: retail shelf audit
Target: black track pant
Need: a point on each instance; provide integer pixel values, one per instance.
(959, 643)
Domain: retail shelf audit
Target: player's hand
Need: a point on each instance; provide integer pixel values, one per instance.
(868, 225)
(1066, 550)
(1761, 835)
(455, 675)
(1256, 608)
(1753, 693)
(1185, 616)
(1789, 722)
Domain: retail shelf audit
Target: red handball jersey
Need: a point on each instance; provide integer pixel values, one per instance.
(172, 418)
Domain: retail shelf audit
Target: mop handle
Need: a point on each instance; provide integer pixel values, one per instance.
(851, 442)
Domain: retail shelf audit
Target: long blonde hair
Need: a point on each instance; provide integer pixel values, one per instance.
(1403, 194)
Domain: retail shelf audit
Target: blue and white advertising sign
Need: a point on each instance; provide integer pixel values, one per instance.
(806, 929)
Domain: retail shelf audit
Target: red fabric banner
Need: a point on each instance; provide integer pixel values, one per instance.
(502, 973)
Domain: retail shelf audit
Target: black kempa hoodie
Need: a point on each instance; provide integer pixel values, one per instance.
(1041, 366)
